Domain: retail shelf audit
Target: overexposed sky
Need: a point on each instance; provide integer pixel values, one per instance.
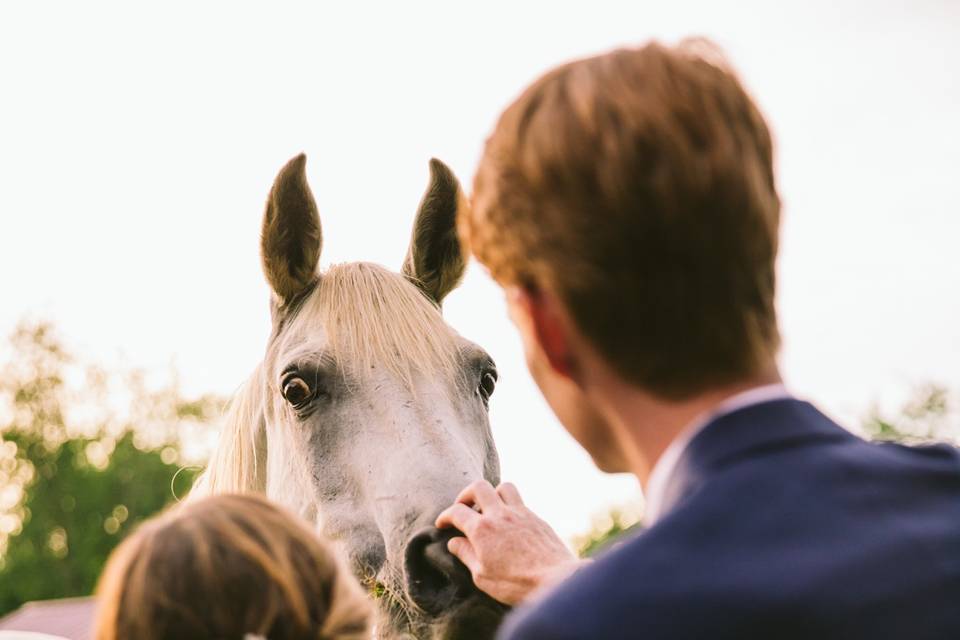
(137, 145)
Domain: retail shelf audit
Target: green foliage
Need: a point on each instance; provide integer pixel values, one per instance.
(606, 531)
(77, 471)
(932, 414)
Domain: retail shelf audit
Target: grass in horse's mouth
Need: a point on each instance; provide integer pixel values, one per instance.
(390, 601)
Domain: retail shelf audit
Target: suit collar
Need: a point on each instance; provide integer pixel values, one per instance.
(746, 432)
(666, 464)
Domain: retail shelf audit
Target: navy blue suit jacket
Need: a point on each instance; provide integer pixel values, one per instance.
(779, 524)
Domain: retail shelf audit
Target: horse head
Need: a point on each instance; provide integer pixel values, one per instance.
(368, 413)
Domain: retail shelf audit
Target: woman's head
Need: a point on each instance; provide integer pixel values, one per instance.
(225, 567)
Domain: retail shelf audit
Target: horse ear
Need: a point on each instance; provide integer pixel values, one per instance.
(291, 239)
(434, 260)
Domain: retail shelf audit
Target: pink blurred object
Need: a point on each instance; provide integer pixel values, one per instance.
(69, 618)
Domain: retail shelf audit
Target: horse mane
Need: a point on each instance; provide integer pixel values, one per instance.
(371, 317)
(234, 465)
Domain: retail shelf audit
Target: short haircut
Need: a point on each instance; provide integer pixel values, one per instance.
(639, 186)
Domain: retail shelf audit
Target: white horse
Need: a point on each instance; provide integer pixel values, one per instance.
(368, 413)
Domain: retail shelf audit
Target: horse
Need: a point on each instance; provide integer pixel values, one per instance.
(369, 413)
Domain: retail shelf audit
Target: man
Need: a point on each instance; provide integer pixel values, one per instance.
(627, 204)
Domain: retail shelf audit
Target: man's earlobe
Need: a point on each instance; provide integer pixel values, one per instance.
(549, 328)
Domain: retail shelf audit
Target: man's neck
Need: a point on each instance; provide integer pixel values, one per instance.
(645, 425)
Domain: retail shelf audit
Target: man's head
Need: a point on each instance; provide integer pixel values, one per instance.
(628, 203)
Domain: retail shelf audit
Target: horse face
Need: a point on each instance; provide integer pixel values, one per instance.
(374, 410)
(373, 459)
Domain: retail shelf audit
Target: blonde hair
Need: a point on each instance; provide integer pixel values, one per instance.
(373, 316)
(228, 566)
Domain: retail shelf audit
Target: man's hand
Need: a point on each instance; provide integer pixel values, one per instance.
(508, 549)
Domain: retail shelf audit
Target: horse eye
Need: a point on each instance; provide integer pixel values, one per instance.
(488, 382)
(296, 391)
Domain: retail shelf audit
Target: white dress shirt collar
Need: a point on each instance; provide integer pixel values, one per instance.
(667, 463)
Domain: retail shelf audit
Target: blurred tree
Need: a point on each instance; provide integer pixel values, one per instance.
(931, 414)
(607, 531)
(77, 471)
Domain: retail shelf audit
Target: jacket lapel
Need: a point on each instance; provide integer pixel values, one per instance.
(747, 432)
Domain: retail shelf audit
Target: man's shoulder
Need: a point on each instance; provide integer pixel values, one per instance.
(773, 538)
(647, 582)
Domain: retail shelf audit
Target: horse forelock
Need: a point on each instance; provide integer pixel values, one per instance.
(370, 317)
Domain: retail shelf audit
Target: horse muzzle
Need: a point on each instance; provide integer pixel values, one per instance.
(441, 585)
(436, 580)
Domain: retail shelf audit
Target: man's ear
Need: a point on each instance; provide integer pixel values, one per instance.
(291, 239)
(546, 323)
(434, 260)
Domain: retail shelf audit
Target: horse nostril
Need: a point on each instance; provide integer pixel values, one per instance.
(435, 577)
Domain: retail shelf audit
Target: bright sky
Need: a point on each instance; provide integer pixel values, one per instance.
(137, 144)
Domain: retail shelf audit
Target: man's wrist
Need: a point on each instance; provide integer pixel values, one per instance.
(559, 572)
